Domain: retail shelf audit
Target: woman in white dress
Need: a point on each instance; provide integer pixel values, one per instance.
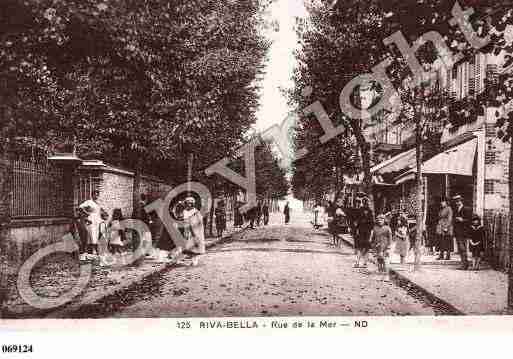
(93, 221)
(194, 229)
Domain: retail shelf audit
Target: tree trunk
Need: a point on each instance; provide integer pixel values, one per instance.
(367, 175)
(510, 234)
(420, 184)
(211, 221)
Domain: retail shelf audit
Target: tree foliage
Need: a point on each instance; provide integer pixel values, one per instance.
(155, 78)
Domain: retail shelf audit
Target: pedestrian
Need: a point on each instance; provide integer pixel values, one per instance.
(80, 228)
(258, 213)
(286, 212)
(381, 239)
(165, 243)
(194, 229)
(220, 213)
(477, 238)
(115, 234)
(251, 217)
(265, 213)
(339, 223)
(318, 213)
(444, 230)
(402, 243)
(237, 221)
(92, 212)
(364, 224)
(462, 219)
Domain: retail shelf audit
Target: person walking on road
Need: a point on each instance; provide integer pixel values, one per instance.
(237, 217)
(381, 239)
(318, 212)
(444, 230)
(220, 213)
(339, 223)
(258, 213)
(286, 212)
(364, 224)
(462, 219)
(265, 213)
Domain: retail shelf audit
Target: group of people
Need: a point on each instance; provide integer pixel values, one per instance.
(257, 215)
(95, 225)
(378, 234)
(460, 223)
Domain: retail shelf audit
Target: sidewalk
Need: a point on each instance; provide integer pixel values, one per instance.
(58, 273)
(468, 292)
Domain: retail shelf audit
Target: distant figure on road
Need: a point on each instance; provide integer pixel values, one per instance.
(258, 213)
(238, 220)
(265, 213)
(220, 213)
(286, 212)
(318, 212)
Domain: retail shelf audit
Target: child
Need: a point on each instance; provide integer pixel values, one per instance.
(381, 238)
(477, 238)
(402, 239)
(115, 232)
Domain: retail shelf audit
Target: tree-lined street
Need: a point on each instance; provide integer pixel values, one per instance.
(274, 271)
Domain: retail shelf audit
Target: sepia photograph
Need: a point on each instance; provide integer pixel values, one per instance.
(255, 160)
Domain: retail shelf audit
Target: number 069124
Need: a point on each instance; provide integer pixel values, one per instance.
(17, 348)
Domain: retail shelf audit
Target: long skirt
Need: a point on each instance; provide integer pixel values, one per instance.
(362, 240)
(445, 243)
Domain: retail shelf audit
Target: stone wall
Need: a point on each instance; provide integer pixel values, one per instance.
(116, 192)
(19, 239)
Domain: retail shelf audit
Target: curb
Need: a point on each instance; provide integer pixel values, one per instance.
(433, 300)
(69, 309)
(436, 302)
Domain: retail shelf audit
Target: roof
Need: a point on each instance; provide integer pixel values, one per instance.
(458, 160)
(397, 163)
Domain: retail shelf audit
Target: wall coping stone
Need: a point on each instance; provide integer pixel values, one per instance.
(38, 222)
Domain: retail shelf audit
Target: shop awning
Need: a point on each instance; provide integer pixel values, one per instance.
(397, 163)
(458, 160)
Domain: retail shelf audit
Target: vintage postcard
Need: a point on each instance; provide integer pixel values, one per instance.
(285, 165)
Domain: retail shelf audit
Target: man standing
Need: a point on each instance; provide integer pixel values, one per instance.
(462, 219)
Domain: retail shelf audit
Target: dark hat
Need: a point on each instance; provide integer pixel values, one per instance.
(476, 217)
(457, 197)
